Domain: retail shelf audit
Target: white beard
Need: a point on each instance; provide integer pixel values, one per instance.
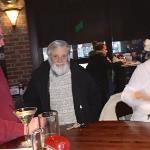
(60, 69)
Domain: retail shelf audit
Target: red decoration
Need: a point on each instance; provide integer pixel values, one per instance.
(58, 142)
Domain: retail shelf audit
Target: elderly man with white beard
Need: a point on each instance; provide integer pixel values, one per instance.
(61, 84)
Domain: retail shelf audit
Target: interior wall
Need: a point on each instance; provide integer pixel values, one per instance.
(17, 50)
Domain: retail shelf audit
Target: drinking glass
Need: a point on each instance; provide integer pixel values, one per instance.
(25, 115)
(49, 127)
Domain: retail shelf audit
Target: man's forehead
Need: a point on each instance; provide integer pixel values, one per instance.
(60, 50)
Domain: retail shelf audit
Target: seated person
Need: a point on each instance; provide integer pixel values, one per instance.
(137, 93)
(62, 85)
(10, 126)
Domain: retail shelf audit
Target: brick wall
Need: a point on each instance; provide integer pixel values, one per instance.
(17, 50)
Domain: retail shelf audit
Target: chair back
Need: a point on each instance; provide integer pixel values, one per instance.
(109, 109)
(114, 109)
(123, 111)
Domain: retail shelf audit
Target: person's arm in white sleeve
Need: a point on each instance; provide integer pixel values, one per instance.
(134, 90)
(141, 95)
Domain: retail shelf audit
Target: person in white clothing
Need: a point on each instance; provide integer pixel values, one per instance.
(137, 93)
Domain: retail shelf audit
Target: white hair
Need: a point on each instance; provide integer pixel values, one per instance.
(58, 69)
(57, 44)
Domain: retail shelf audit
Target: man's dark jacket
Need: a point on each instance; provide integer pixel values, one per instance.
(86, 97)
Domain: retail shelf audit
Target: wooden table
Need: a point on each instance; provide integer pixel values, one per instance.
(105, 135)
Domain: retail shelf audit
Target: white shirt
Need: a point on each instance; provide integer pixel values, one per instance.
(140, 81)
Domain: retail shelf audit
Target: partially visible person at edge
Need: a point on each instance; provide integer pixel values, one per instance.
(10, 126)
(100, 68)
(137, 93)
(63, 85)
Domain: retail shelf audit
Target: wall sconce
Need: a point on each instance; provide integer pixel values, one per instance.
(12, 15)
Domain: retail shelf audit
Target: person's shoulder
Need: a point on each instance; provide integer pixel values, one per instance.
(143, 69)
(43, 68)
(97, 55)
(76, 67)
(97, 58)
(144, 64)
(79, 71)
(147, 62)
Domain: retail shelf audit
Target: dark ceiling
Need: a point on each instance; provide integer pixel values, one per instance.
(97, 19)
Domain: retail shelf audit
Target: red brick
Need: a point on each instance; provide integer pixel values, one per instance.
(17, 49)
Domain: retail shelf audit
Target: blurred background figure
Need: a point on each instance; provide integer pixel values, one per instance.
(100, 67)
(136, 58)
(147, 49)
(137, 93)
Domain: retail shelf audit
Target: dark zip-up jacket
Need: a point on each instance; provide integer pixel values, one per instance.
(86, 97)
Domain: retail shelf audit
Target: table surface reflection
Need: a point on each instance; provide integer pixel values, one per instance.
(104, 135)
